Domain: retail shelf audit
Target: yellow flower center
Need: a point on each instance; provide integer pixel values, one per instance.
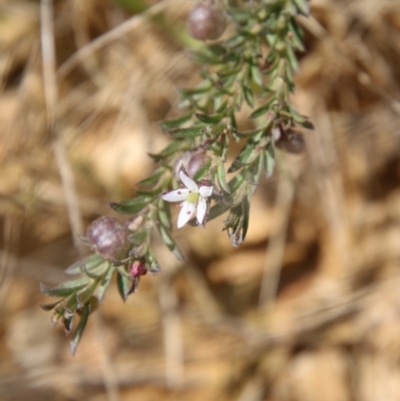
(193, 197)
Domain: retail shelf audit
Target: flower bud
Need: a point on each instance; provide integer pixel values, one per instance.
(290, 141)
(206, 21)
(191, 162)
(138, 268)
(108, 237)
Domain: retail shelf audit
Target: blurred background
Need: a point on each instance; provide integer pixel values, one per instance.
(307, 309)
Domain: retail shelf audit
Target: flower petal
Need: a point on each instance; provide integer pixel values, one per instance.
(176, 195)
(201, 211)
(186, 213)
(188, 182)
(205, 192)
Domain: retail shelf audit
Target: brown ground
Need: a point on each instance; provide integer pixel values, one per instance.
(308, 309)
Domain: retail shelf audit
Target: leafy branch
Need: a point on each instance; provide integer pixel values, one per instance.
(252, 70)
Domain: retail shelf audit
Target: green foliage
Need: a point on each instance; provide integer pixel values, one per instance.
(251, 71)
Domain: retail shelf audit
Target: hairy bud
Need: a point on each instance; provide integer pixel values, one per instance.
(108, 237)
(206, 21)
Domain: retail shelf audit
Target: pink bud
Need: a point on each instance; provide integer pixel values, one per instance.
(137, 269)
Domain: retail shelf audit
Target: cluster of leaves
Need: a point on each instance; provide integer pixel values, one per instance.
(253, 69)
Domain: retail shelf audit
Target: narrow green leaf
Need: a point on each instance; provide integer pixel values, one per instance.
(98, 271)
(291, 57)
(204, 57)
(263, 109)
(154, 178)
(256, 75)
(235, 41)
(130, 206)
(217, 210)
(65, 289)
(76, 337)
(152, 262)
(171, 149)
(148, 193)
(180, 133)
(243, 157)
(302, 6)
(203, 87)
(164, 214)
(86, 293)
(88, 263)
(169, 242)
(248, 95)
(269, 160)
(49, 307)
(210, 119)
(176, 122)
(203, 172)
(246, 216)
(103, 286)
(123, 284)
(222, 177)
(138, 237)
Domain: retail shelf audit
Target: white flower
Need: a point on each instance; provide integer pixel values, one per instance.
(194, 199)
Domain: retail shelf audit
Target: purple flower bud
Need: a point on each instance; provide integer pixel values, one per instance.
(191, 162)
(206, 21)
(138, 268)
(108, 237)
(290, 141)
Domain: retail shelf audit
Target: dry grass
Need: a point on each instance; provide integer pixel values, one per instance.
(74, 134)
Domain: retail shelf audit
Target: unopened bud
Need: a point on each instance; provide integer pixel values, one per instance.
(191, 162)
(108, 237)
(138, 268)
(206, 21)
(290, 141)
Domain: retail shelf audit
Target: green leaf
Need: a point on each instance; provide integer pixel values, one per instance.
(169, 242)
(65, 289)
(154, 178)
(150, 193)
(123, 284)
(256, 75)
(204, 87)
(248, 95)
(130, 206)
(138, 237)
(217, 210)
(152, 262)
(235, 41)
(291, 57)
(88, 263)
(181, 133)
(203, 172)
(221, 176)
(204, 57)
(243, 157)
(86, 293)
(170, 150)
(300, 118)
(269, 160)
(302, 6)
(263, 109)
(238, 221)
(49, 307)
(307, 124)
(103, 286)
(164, 214)
(176, 122)
(210, 119)
(76, 337)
